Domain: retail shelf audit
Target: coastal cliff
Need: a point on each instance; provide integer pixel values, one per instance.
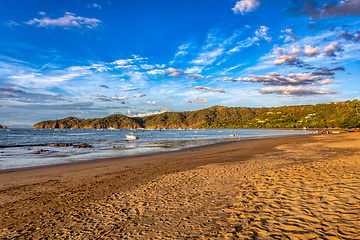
(329, 115)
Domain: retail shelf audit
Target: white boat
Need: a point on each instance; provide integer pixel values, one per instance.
(131, 136)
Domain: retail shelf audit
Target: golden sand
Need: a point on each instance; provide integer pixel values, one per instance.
(304, 188)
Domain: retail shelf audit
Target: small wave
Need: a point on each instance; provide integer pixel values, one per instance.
(110, 142)
(23, 145)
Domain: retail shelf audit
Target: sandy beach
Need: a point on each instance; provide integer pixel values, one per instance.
(303, 187)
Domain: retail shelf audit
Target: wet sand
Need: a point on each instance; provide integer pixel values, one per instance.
(301, 187)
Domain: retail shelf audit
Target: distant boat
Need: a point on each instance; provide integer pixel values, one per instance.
(131, 136)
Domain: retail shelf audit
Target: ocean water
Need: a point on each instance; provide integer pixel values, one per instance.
(17, 146)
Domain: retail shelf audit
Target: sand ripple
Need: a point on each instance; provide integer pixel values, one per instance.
(305, 191)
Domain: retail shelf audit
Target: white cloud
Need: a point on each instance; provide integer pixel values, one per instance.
(156, 72)
(151, 102)
(194, 70)
(297, 91)
(132, 114)
(274, 78)
(237, 66)
(288, 31)
(213, 51)
(262, 33)
(134, 64)
(289, 35)
(160, 65)
(243, 44)
(332, 49)
(311, 51)
(323, 82)
(131, 89)
(174, 72)
(177, 73)
(208, 57)
(70, 20)
(99, 67)
(245, 6)
(32, 79)
(292, 57)
(123, 62)
(11, 23)
(94, 5)
(288, 39)
(278, 50)
(116, 98)
(198, 88)
(194, 76)
(286, 59)
(296, 49)
(147, 66)
(103, 98)
(182, 50)
(201, 100)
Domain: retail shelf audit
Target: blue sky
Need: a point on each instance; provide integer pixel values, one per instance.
(95, 58)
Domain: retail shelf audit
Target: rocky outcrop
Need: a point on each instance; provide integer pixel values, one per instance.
(84, 145)
(1, 126)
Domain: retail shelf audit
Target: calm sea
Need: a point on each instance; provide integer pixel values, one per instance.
(17, 146)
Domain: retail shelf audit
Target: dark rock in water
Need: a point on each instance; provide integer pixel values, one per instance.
(61, 144)
(84, 145)
(41, 151)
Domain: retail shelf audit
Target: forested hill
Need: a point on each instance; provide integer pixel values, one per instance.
(330, 115)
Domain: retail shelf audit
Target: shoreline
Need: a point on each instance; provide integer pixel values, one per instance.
(149, 153)
(57, 201)
(127, 159)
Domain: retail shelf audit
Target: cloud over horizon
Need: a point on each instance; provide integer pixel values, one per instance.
(292, 79)
(296, 91)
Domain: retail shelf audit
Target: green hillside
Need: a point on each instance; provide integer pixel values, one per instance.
(112, 121)
(330, 115)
